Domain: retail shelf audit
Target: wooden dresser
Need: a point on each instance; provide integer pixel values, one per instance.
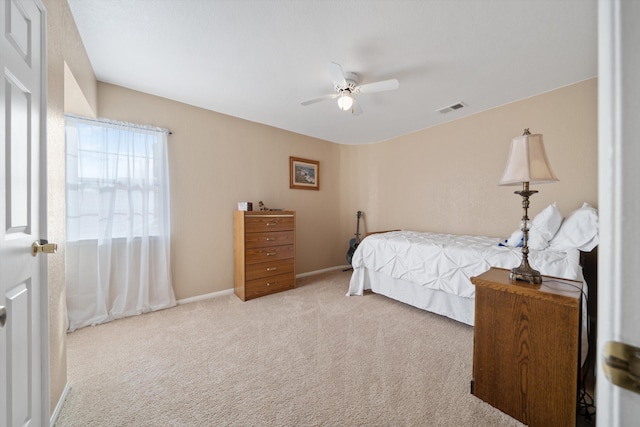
(264, 245)
(526, 347)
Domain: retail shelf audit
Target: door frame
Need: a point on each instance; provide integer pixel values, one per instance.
(45, 394)
(618, 204)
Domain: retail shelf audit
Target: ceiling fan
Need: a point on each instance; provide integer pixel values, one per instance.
(346, 85)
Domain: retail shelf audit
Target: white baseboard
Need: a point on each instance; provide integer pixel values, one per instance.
(205, 296)
(324, 270)
(59, 405)
(230, 291)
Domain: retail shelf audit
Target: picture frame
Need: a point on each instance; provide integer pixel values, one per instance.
(304, 174)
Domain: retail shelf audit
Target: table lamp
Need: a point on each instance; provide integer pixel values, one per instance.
(527, 164)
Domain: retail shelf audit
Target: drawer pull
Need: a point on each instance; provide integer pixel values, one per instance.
(272, 253)
(272, 268)
(269, 239)
(271, 283)
(270, 224)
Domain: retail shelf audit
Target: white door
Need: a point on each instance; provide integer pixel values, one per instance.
(24, 361)
(617, 393)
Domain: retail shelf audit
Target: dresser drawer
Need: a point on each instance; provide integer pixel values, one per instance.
(271, 268)
(274, 238)
(265, 286)
(258, 224)
(273, 253)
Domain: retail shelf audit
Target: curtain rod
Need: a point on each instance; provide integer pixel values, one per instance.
(121, 123)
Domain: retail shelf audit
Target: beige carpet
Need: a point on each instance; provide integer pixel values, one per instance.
(306, 357)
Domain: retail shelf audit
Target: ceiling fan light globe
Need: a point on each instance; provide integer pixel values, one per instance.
(345, 102)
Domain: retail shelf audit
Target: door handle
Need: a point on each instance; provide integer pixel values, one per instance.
(43, 245)
(3, 316)
(621, 365)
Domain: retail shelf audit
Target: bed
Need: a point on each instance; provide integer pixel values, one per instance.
(432, 271)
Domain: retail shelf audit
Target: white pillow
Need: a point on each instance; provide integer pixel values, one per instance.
(543, 227)
(579, 230)
(515, 240)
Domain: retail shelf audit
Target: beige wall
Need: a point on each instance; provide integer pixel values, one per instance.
(63, 45)
(440, 179)
(215, 161)
(445, 178)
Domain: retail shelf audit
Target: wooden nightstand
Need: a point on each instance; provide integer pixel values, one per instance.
(526, 347)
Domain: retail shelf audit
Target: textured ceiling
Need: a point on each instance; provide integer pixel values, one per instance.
(259, 59)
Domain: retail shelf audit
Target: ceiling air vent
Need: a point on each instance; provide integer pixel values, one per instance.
(450, 108)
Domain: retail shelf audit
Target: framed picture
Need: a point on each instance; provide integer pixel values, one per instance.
(304, 174)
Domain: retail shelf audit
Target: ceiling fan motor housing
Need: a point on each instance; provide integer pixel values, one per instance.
(351, 80)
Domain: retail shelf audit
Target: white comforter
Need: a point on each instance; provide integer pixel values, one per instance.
(446, 262)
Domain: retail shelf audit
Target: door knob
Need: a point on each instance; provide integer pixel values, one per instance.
(3, 316)
(43, 245)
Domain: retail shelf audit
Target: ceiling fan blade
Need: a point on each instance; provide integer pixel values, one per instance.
(378, 86)
(320, 99)
(337, 75)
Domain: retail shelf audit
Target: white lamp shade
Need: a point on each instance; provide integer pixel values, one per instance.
(345, 101)
(527, 162)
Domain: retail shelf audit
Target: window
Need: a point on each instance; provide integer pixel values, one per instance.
(116, 180)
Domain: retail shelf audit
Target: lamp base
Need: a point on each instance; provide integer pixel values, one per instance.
(526, 274)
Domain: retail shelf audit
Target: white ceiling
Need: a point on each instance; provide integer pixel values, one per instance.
(258, 59)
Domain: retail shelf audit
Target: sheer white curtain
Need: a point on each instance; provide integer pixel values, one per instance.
(118, 234)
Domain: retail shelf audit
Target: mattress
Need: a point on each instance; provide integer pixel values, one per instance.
(446, 262)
